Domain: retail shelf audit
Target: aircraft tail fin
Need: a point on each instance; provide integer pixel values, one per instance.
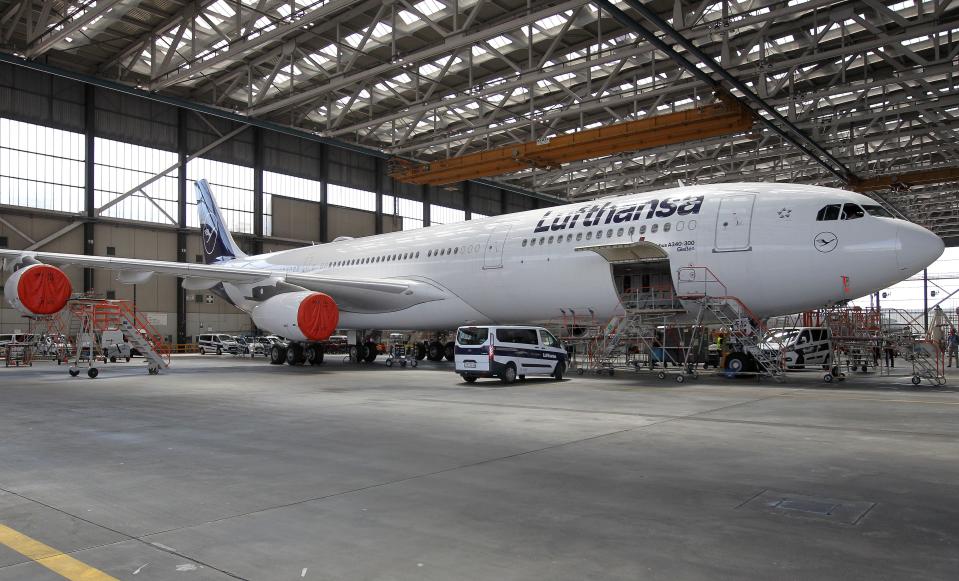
(218, 244)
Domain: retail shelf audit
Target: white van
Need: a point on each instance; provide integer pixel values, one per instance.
(803, 346)
(508, 352)
(218, 343)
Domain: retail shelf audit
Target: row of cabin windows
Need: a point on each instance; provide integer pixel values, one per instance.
(470, 249)
(851, 212)
(631, 231)
(375, 259)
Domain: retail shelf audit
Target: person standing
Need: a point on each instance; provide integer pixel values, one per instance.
(952, 343)
(890, 355)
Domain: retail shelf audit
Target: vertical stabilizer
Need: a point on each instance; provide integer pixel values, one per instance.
(218, 244)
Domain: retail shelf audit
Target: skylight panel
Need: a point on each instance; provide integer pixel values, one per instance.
(553, 21)
(429, 7)
(354, 39)
(330, 50)
(499, 41)
(381, 29)
(402, 78)
(408, 17)
(478, 50)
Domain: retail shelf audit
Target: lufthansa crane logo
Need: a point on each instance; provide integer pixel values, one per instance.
(825, 241)
(210, 237)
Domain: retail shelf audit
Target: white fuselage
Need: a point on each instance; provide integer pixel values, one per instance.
(762, 241)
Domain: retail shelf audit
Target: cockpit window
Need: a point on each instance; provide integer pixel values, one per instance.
(878, 211)
(830, 212)
(852, 211)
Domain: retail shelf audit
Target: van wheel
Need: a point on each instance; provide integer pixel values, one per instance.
(113, 359)
(277, 355)
(219, 351)
(469, 378)
(202, 351)
(559, 371)
(509, 374)
(448, 351)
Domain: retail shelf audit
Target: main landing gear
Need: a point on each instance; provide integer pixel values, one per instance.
(435, 350)
(297, 353)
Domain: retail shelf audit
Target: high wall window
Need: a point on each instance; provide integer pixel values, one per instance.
(410, 210)
(41, 167)
(287, 186)
(232, 187)
(477, 216)
(444, 215)
(351, 198)
(119, 167)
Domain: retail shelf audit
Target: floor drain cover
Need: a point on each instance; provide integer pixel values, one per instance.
(848, 512)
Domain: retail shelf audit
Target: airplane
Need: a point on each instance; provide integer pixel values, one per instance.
(778, 248)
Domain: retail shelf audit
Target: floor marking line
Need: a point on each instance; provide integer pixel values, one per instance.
(854, 398)
(54, 560)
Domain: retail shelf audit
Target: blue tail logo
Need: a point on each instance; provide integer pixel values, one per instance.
(218, 244)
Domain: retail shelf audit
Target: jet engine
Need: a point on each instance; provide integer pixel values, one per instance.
(298, 316)
(38, 289)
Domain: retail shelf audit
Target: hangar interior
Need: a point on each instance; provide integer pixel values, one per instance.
(298, 112)
(315, 120)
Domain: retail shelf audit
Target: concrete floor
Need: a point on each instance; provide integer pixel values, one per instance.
(232, 469)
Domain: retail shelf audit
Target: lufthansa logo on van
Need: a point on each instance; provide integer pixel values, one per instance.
(825, 241)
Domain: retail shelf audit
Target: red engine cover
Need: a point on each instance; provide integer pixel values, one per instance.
(317, 317)
(43, 289)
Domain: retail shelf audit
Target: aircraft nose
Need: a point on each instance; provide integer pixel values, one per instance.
(917, 248)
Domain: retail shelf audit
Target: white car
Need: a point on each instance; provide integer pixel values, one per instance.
(508, 352)
(218, 343)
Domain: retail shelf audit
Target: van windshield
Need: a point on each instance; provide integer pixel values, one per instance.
(224, 338)
(472, 335)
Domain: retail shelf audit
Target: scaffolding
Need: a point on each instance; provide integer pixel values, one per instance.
(92, 317)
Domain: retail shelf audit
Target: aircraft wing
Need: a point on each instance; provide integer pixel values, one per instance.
(370, 295)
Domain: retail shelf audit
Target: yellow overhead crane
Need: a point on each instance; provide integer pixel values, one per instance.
(721, 118)
(905, 180)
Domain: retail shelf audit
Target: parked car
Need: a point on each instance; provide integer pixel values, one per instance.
(218, 343)
(508, 352)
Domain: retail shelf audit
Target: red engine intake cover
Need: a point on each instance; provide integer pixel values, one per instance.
(43, 289)
(317, 316)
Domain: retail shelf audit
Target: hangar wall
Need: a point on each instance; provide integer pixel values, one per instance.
(74, 165)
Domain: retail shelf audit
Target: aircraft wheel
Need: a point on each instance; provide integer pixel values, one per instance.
(318, 355)
(277, 355)
(420, 351)
(509, 374)
(74, 372)
(294, 354)
(93, 372)
(448, 351)
(369, 352)
(434, 351)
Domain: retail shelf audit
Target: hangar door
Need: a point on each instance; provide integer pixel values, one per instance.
(734, 222)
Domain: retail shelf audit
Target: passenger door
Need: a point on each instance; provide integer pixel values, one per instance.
(552, 349)
(734, 223)
(495, 244)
